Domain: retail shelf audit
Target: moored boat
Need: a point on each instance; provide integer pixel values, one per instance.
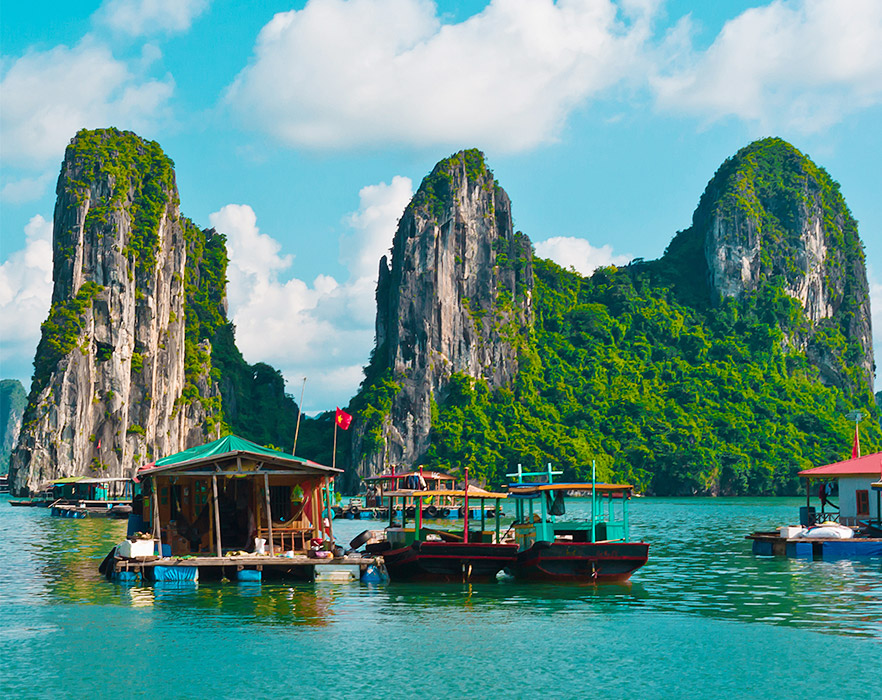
(551, 549)
(85, 497)
(421, 553)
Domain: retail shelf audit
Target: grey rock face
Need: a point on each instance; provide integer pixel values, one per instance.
(115, 400)
(770, 213)
(455, 299)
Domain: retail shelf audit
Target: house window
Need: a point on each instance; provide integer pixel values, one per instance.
(280, 503)
(863, 503)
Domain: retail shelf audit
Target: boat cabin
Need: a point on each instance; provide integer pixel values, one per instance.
(92, 491)
(234, 495)
(399, 534)
(852, 479)
(418, 480)
(540, 503)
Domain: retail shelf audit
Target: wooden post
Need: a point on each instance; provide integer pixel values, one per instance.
(593, 500)
(269, 513)
(157, 530)
(330, 510)
(465, 512)
(217, 527)
(498, 507)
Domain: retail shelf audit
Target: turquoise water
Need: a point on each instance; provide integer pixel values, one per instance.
(704, 618)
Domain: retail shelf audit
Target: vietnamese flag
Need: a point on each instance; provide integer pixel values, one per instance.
(343, 419)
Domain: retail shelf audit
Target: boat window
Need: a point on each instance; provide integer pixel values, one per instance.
(556, 506)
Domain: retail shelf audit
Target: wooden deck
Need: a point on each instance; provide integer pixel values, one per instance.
(250, 561)
(298, 568)
(772, 544)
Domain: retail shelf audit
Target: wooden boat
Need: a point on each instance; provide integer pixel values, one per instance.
(86, 497)
(422, 553)
(594, 551)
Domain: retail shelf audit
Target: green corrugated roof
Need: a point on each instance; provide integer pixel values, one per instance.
(226, 445)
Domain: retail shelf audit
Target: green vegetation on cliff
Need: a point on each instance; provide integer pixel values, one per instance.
(60, 333)
(141, 178)
(675, 399)
(640, 369)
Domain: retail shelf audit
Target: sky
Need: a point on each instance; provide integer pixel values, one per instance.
(301, 129)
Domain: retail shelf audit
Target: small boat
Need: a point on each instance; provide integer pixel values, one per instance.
(421, 553)
(85, 497)
(551, 549)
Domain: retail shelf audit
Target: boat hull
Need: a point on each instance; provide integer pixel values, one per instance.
(580, 562)
(449, 561)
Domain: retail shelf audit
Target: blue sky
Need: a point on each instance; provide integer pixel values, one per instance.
(300, 130)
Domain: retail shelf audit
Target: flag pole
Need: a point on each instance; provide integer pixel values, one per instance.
(334, 454)
(299, 413)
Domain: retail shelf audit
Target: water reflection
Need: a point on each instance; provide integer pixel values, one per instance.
(699, 564)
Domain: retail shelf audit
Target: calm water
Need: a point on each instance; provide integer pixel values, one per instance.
(704, 618)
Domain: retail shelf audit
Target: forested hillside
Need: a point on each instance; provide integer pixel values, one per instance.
(678, 378)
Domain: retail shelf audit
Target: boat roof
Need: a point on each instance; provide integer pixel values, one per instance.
(232, 447)
(534, 488)
(400, 475)
(88, 480)
(474, 492)
(870, 464)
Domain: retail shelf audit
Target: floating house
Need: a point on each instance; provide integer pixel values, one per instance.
(841, 518)
(854, 478)
(229, 503)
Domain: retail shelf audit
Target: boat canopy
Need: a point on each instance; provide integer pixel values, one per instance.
(474, 492)
(403, 475)
(88, 480)
(531, 490)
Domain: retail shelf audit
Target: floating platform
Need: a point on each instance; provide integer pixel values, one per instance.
(246, 568)
(772, 544)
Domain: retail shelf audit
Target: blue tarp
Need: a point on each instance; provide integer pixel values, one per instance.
(250, 575)
(176, 573)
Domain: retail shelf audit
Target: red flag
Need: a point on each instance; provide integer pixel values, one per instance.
(343, 419)
(856, 448)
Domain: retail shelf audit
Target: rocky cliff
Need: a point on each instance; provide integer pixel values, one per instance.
(116, 378)
(770, 216)
(455, 298)
(13, 400)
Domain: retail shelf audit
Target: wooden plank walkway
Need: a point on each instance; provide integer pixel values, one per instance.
(242, 561)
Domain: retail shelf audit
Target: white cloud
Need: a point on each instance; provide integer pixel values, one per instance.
(379, 206)
(802, 65)
(579, 254)
(142, 17)
(369, 72)
(50, 95)
(324, 329)
(25, 294)
(26, 189)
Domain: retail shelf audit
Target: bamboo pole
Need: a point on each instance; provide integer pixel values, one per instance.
(269, 514)
(593, 500)
(299, 413)
(217, 527)
(157, 530)
(465, 514)
(334, 453)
